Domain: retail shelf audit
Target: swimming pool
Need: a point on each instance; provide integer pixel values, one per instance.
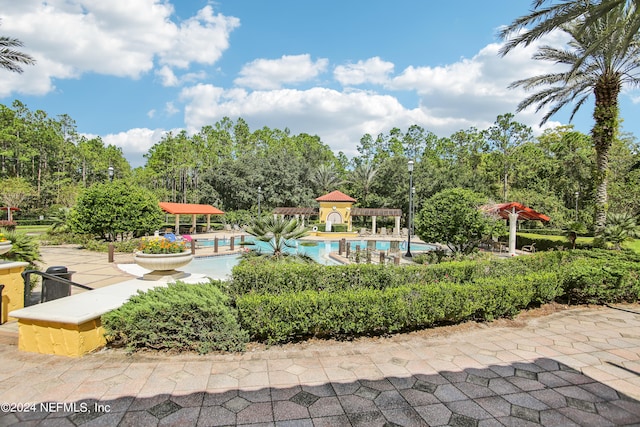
(219, 267)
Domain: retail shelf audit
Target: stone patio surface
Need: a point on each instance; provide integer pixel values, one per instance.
(575, 367)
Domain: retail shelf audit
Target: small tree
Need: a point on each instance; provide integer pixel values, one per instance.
(453, 217)
(620, 228)
(116, 208)
(278, 233)
(14, 191)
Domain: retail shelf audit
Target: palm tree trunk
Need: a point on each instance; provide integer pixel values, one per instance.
(604, 132)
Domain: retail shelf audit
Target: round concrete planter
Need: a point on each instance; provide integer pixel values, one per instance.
(162, 265)
(5, 247)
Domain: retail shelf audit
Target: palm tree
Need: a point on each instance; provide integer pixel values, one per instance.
(362, 178)
(620, 228)
(11, 58)
(278, 233)
(545, 19)
(601, 72)
(326, 179)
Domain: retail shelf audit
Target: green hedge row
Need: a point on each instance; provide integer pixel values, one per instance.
(282, 317)
(261, 276)
(550, 243)
(304, 300)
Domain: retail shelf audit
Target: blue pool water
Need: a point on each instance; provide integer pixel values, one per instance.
(219, 267)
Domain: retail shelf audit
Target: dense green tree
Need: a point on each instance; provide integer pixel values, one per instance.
(601, 71)
(453, 217)
(116, 209)
(504, 136)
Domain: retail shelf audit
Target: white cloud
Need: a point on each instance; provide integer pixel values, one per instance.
(120, 38)
(339, 118)
(170, 109)
(373, 70)
(151, 113)
(134, 142)
(265, 74)
(469, 93)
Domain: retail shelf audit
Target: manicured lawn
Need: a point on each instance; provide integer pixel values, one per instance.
(633, 245)
(585, 240)
(33, 229)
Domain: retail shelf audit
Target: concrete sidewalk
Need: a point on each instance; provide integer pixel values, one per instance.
(576, 367)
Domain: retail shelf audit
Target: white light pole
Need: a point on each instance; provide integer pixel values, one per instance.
(259, 193)
(410, 166)
(110, 171)
(577, 195)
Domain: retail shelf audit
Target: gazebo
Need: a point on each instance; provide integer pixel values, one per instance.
(513, 211)
(178, 209)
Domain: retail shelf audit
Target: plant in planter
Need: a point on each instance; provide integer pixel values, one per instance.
(162, 257)
(5, 244)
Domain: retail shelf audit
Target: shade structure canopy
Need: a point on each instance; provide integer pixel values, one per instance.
(524, 213)
(513, 211)
(178, 209)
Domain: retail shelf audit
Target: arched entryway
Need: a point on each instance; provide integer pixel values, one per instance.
(334, 218)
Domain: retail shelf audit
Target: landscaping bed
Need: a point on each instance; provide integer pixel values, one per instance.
(282, 302)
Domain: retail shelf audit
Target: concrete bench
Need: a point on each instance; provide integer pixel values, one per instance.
(72, 326)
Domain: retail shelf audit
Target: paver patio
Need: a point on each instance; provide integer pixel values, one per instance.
(484, 375)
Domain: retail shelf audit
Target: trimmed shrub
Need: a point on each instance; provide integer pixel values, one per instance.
(180, 317)
(283, 317)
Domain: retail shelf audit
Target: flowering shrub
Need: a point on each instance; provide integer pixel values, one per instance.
(161, 246)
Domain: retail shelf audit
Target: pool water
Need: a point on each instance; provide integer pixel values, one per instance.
(219, 267)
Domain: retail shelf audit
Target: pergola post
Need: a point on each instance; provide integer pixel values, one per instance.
(373, 224)
(193, 223)
(396, 230)
(208, 222)
(177, 229)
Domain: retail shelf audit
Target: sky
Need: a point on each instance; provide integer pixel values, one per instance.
(129, 71)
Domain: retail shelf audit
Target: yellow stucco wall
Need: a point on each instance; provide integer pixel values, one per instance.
(62, 339)
(13, 292)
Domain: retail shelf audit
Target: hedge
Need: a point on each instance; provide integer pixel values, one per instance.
(551, 242)
(180, 317)
(283, 317)
(278, 303)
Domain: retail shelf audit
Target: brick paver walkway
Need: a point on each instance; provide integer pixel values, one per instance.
(578, 367)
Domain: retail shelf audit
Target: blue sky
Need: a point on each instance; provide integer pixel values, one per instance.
(131, 70)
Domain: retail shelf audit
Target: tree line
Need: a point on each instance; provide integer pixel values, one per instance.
(224, 164)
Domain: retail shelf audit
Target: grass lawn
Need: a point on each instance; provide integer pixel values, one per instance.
(634, 245)
(585, 240)
(33, 229)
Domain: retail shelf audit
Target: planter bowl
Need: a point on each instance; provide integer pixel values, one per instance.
(5, 247)
(163, 265)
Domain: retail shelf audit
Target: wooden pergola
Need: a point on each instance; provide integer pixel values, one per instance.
(178, 209)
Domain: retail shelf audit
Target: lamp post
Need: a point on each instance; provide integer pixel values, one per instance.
(413, 208)
(259, 193)
(410, 166)
(577, 195)
(110, 172)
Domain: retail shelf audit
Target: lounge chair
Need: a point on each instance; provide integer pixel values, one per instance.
(529, 248)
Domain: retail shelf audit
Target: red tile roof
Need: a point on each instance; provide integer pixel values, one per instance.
(524, 212)
(336, 196)
(189, 209)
